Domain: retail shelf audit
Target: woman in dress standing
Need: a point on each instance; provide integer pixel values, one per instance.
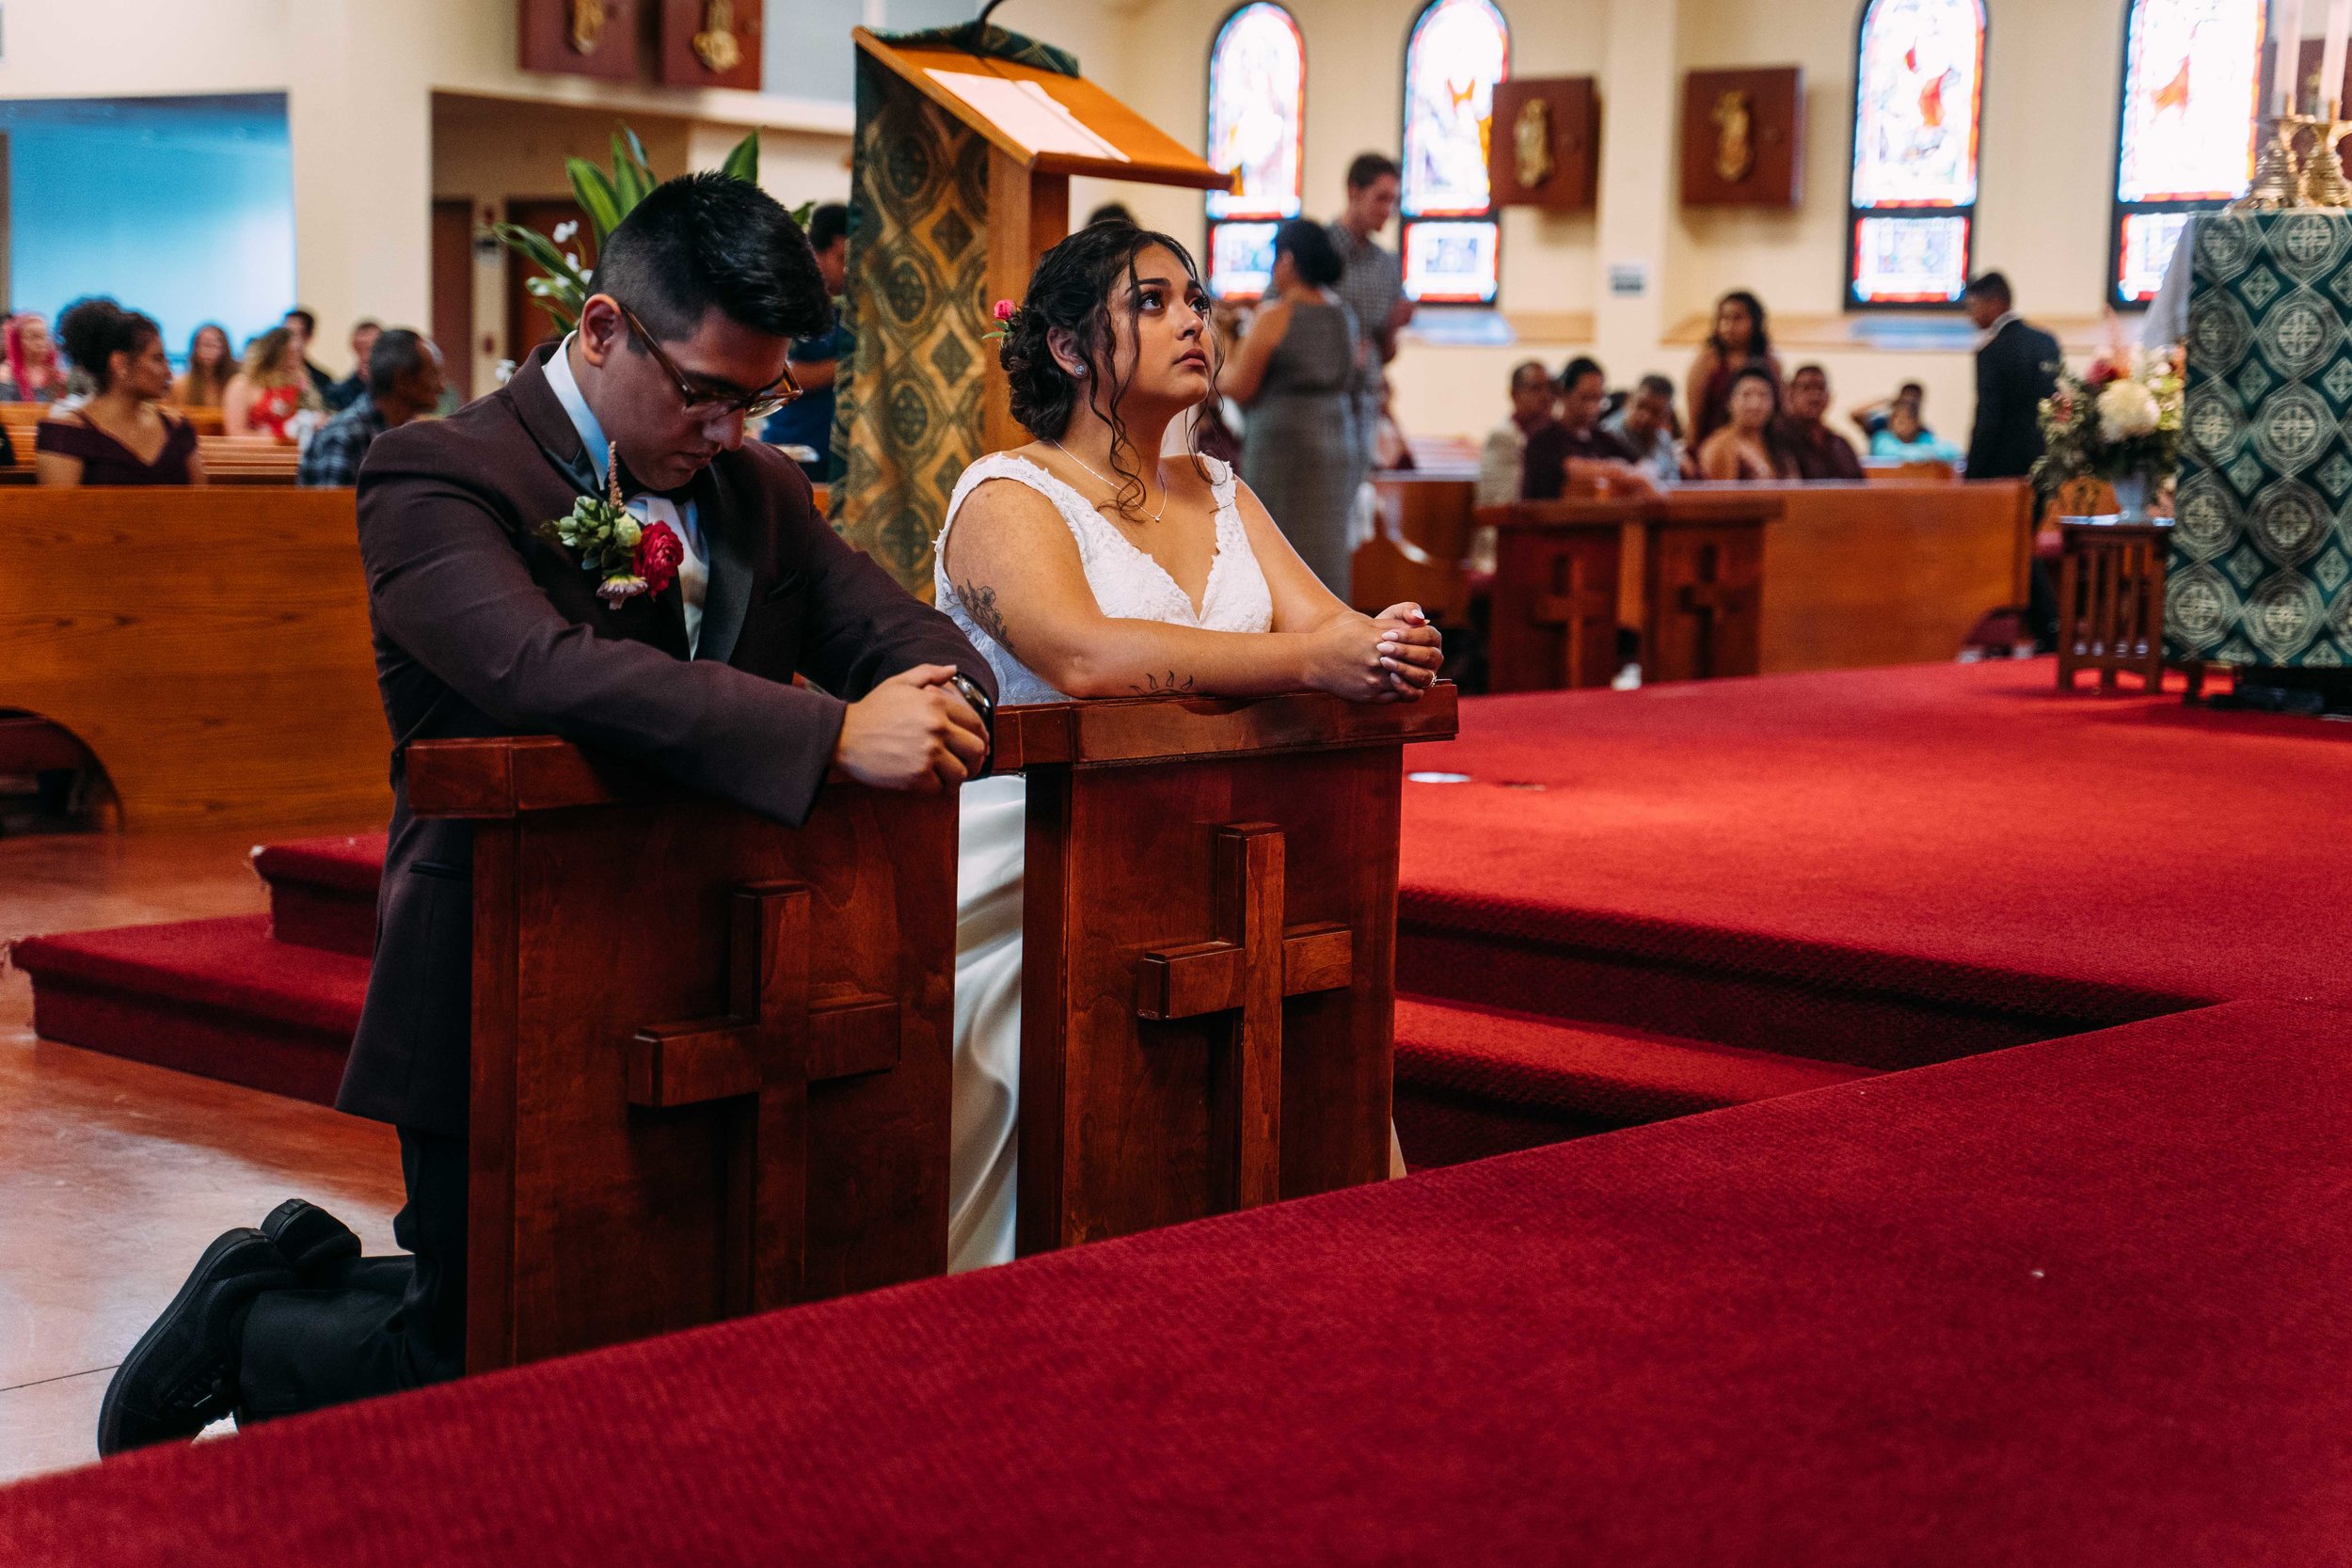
(1085, 564)
(1295, 372)
(117, 435)
(1738, 342)
(263, 397)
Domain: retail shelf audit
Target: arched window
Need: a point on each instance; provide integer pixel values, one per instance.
(1918, 94)
(1257, 124)
(1456, 53)
(2192, 81)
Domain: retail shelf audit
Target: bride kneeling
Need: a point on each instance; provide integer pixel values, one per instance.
(1085, 566)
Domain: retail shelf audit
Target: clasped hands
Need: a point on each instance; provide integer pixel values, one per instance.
(1390, 657)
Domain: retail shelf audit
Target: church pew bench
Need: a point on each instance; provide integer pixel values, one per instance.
(211, 648)
(2013, 1308)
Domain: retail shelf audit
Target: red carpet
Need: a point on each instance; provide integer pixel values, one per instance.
(1881, 867)
(2080, 1303)
(322, 890)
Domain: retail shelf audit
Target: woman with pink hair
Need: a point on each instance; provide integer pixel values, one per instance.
(33, 372)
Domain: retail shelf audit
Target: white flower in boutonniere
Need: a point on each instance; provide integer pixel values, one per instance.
(634, 558)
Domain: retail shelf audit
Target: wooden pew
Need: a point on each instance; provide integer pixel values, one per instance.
(1208, 929)
(1421, 525)
(247, 460)
(211, 649)
(22, 419)
(1687, 569)
(710, 1053)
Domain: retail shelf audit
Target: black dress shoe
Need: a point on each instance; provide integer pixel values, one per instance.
(314, 1242)
(181, 1376)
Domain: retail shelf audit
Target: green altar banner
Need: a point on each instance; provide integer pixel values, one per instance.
(2261, 569)
(907, 416)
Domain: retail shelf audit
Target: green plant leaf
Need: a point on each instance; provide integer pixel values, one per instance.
(534, 247)
(742, 160)
(631, 179)
(637, 152)
(801, 213)
(597, 197)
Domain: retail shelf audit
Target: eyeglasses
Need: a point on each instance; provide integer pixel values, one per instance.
(703, 406)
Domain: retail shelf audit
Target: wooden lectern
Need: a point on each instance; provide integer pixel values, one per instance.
(1209, 929)
(1028, 188)
(710, 1053)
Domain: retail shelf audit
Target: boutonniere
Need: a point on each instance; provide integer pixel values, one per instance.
(634, 558)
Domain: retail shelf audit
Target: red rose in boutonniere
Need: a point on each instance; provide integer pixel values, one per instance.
(658, 552)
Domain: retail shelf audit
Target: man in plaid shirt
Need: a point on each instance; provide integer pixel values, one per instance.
(1373, 286)
(403, 381)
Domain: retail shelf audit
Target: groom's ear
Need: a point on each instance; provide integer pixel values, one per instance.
(603, 331)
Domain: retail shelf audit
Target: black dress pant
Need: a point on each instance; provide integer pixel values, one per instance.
(385, 1324)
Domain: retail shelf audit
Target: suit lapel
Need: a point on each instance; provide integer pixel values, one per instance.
(728, 593)
(542, 416)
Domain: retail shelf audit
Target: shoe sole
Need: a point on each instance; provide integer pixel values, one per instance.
(110, 1412)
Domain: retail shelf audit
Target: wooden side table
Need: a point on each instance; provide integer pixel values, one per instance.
(2110, 609)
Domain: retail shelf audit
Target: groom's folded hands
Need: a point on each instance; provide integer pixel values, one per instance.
(914, 732)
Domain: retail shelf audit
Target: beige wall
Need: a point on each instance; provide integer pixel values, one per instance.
(395, 100)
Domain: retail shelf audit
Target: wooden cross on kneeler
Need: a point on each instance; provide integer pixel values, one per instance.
(772, 1043)
(1709, 600)
(1252, 963)
(1573, 604)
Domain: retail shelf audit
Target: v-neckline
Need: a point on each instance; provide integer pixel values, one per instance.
(82, 418)
(1216, 540)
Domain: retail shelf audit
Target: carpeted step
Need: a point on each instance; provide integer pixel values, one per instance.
(213, 997)
(1473, 1081)
(322, 890)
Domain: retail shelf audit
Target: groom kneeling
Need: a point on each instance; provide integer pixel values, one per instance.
(677, 648)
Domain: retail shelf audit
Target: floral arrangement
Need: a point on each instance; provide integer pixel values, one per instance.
(2120, 419)
(634, 558)
(561, 286)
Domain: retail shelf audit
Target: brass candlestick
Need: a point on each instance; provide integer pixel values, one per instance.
(2324, 184)
(2278, 181)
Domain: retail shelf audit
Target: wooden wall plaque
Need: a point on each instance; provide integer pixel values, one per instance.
(711, 43)
(1545, 148)
(581, 37)
(1742, 137)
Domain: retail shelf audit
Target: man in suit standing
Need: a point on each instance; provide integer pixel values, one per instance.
(2017, 367)
(483, 628)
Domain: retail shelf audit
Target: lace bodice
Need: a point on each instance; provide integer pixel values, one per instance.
(1128, 584)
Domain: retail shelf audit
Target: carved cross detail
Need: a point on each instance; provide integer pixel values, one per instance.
(773, 1043)
(1251, 964)
(1709, 600)
(1574, 602)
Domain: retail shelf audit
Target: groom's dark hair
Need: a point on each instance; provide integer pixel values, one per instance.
(712, 241)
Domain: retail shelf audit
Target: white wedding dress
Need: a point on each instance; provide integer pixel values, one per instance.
(1128, 585)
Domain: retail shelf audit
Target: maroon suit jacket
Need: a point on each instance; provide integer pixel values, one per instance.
(482, 628)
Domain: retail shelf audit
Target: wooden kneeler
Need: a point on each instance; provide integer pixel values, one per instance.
(1209, 929)
(710, 1053)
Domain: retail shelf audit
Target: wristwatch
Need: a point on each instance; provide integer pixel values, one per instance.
(970, 690)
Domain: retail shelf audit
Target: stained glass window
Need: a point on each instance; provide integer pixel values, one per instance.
(1458, 50)
(2192, 83)
(1919, 90)
(1257, 116)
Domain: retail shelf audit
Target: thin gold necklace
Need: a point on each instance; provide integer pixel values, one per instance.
(1107, 485)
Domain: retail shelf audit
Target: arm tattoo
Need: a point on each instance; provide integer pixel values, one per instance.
(1161, 686)
(979, 602)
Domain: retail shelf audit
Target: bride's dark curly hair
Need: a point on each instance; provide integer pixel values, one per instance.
(1074, 288)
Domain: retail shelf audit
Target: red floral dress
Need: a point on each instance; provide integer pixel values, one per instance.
(272, 407)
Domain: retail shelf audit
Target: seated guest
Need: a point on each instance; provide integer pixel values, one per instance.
(1747, 449)
(404, 383)
(1871, 418)
(1296, 372)
(34, 375)
(305, 326)
(1646, 425)
(211, 363)
(808, 421)
(1739, 341)
(1575, 451)
(1502, 461)
(117, 435)
(1811, 446)
(1904, 439)
(265, 396)
(341, 395)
